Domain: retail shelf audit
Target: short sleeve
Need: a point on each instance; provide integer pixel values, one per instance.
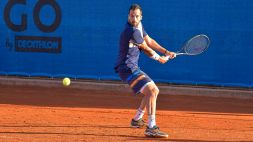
(137, 36)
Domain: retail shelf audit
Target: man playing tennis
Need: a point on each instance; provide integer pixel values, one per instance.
(133, 40)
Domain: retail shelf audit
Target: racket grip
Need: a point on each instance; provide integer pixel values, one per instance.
(168, 57)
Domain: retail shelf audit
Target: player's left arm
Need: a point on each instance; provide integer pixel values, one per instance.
(155, 46)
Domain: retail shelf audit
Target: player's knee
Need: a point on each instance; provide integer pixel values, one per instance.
(156, 90)
(151, 90)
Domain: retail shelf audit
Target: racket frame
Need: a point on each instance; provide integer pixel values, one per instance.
(188, 42)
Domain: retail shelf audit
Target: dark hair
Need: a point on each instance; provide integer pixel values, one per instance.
(134, 7)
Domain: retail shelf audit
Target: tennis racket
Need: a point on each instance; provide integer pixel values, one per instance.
(196, 45)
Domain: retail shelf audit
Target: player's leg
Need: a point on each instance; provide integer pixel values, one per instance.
(141, 110)
(135, 81)
(151, 91)
(142, 83)
(143, 103)
(137, 121)
(142, 107)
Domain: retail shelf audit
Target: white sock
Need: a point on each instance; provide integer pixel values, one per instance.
(151, 121)
(139, 114)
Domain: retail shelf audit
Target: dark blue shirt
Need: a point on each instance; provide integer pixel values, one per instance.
(129, 53)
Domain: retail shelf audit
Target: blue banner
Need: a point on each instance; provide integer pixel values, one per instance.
(80, 39)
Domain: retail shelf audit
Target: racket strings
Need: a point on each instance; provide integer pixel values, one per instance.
(196, 45)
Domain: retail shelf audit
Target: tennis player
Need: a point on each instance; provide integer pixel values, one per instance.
(134, 40)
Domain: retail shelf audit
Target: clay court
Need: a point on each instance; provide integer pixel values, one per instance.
(67, 114)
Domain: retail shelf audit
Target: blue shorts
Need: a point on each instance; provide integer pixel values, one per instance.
(137, 79)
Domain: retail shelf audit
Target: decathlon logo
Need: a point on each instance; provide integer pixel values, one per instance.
(28, 42)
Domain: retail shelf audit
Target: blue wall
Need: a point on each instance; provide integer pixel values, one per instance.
(84, 42)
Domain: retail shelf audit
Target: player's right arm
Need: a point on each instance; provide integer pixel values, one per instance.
(141, 43)
(151, 53)
(157, 47)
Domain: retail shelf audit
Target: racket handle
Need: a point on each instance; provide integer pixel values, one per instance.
(168, 57)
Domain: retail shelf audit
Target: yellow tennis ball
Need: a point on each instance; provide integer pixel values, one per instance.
(66, 81)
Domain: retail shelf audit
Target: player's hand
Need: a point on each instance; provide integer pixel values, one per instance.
(162, 59)
(171, 55)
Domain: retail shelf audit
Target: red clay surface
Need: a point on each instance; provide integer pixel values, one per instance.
(37, 114)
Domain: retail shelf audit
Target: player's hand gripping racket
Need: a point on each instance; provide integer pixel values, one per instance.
(196, 45)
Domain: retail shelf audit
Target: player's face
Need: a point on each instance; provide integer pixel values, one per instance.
(134, 17)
